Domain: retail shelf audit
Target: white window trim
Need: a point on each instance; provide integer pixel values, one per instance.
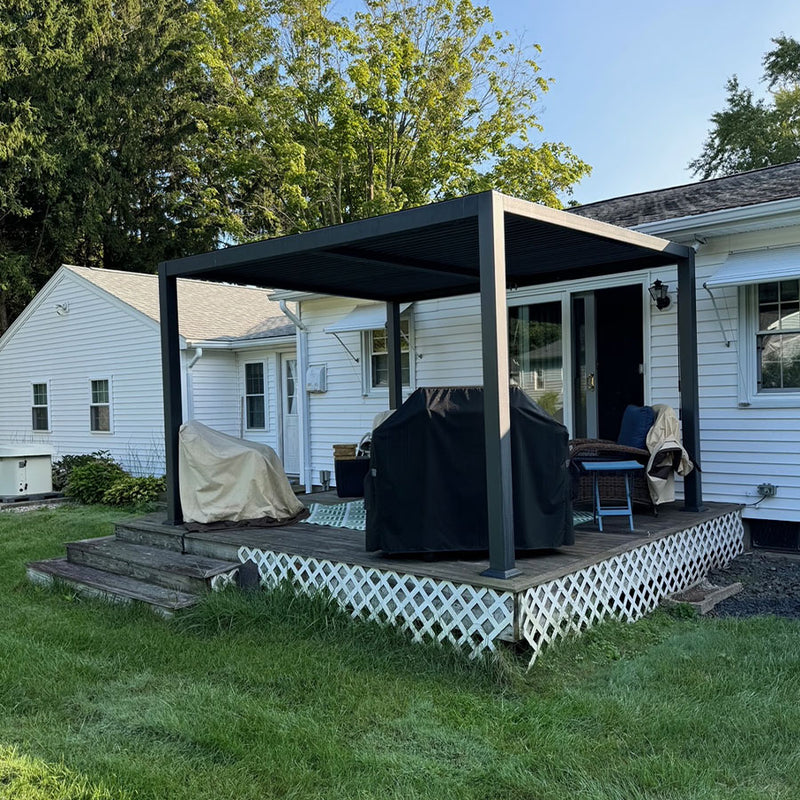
(110, 405)
(366, 361)
(749, 396)
(49, 407)
(265, 373)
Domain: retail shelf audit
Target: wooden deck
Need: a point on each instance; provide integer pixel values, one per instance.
(618, 573)
(342, 545)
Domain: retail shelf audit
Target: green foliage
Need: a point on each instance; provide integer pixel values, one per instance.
(751, 133)
(62, 468)
(131, 491)
(133, 131)
(89, 482)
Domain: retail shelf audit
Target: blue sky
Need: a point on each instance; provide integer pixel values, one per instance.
(636, 80)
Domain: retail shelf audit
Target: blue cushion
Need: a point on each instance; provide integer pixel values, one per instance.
(636, 422)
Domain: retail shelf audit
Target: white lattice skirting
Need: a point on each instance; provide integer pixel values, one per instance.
(474, 618)
(628, 585)
(470, 617)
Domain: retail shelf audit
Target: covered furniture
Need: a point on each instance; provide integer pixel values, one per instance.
(426, 490)
(224, 479)
(648, 435)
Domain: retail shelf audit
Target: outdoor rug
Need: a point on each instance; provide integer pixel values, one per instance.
(353, 515)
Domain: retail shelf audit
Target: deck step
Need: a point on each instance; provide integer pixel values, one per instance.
(167, 537)
(182, 572)
(92, 582)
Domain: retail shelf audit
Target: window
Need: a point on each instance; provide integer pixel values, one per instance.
(378, 361)
(778, 336)
(255, 396)
(39, 410)
(100, 406)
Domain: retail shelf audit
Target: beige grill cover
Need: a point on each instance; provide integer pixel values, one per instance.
(227, 479)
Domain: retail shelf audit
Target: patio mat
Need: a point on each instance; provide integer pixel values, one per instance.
(353, 515)
(339, 515)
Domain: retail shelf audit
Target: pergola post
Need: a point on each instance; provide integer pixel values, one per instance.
(496, 382)
(393, 349)
(688, 380)
(171, 379)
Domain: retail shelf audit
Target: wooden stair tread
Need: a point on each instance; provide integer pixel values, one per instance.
(154, 557)
(109, 583)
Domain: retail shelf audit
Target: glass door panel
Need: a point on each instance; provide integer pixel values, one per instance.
(535, 353)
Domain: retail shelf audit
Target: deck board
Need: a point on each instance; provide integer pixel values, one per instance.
(347, 546)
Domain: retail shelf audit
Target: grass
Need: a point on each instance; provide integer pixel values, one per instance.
(268, 696)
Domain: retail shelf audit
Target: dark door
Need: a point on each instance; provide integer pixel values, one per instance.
(608, 358)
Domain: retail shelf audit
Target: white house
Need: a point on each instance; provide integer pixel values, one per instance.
(592, 346)
(81, 367)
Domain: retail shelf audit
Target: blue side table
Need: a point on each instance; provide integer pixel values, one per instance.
(624, 468)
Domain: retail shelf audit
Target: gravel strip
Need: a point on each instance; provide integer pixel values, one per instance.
(770, 586)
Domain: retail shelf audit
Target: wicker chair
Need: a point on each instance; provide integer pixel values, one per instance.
(612, 487)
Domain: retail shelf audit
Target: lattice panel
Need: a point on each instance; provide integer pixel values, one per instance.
(628, 585)
(470, 617)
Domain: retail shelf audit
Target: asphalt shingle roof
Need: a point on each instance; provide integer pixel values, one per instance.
(206, 310)
(735, 191)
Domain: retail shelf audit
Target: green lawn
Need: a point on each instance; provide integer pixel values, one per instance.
(270, 697)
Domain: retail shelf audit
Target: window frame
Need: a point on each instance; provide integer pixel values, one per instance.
(368, 353)
(109, 405)
(263, 395)
(749, 331)
(46, 406)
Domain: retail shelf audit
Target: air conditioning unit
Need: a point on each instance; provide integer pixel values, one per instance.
(25, 470)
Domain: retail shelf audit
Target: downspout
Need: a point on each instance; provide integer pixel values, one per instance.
(198, 354)
(304, 415)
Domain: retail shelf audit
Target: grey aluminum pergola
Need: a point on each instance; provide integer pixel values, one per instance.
(483, 243)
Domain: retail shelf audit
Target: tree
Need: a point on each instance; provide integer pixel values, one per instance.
(115, 130)
(751, 133)
(409, 102)
(134, 131)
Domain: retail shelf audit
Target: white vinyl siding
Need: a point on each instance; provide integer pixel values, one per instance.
(96, 339)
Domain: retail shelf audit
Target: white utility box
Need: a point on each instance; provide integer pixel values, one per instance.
(24, 470)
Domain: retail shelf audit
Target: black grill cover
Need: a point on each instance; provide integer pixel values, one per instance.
(426, 489)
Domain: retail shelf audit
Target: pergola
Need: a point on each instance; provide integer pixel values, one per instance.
(483, 243)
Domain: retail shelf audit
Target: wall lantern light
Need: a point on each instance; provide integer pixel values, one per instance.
(658, 291)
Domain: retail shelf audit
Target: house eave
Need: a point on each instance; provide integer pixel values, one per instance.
(775, 214)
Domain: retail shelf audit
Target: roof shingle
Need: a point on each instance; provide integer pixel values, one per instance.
(734, 191)
(206, 311)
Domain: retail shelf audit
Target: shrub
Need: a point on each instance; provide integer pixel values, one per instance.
(130, 491)
(89, 482)
(62, 468)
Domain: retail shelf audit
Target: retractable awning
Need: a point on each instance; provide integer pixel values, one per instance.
(364, 318)
(758, 266)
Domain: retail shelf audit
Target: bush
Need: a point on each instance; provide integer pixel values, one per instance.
(89, 482)
(130, 491)
(62, 468)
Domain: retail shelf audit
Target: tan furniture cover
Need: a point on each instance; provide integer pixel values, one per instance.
(667, 455)
(227, 479)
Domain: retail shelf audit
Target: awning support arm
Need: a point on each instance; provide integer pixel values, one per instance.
(349, 351)
(725, 340)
